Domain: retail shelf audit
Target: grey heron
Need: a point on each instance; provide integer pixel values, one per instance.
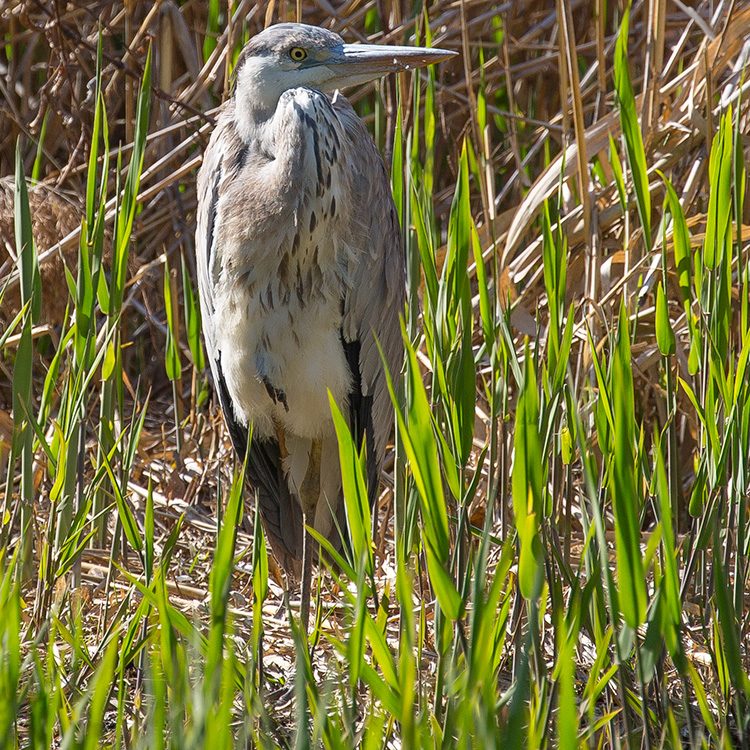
(300, 266)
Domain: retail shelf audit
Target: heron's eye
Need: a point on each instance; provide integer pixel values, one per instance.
(297, 54)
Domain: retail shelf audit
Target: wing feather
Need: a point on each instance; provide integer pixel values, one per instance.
(376, 299)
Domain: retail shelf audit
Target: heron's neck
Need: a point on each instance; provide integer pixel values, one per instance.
(256, 99)
(253, 120)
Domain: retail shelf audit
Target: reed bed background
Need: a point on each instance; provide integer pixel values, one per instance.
(563, 539)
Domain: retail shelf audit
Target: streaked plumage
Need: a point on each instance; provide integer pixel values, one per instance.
(300, 266)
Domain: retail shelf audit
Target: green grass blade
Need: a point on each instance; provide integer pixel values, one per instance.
(681, 243)
(192, 320)
(631, 129)
(10, 655)
(23, 366)
(664, 334)
(527, 484)
(101, 689)
(172, 360)
(632, 583)
(355, 492)
(719, 200)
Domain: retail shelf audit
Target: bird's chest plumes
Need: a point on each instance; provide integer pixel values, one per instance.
(290, 249)
(281, 341)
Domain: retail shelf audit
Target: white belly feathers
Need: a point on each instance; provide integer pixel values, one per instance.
(301, 363)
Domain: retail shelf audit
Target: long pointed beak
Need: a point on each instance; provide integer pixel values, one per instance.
(358, 63)
(381, 59)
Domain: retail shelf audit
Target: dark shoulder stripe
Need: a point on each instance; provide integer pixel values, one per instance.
(240, 158)
(212, 215)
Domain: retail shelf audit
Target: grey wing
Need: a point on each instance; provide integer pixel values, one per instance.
(209, 183)
(376, 299)
(282, 517)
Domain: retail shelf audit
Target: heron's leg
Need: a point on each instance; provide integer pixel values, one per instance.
(309, 493)
(283, 452)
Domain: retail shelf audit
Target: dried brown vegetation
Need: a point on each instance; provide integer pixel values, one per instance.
(532, 93)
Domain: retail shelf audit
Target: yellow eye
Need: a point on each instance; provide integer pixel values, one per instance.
(297, 54)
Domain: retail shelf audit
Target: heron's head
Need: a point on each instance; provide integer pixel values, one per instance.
(289, 55)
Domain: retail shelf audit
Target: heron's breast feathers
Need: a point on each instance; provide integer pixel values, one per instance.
(282, 230)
